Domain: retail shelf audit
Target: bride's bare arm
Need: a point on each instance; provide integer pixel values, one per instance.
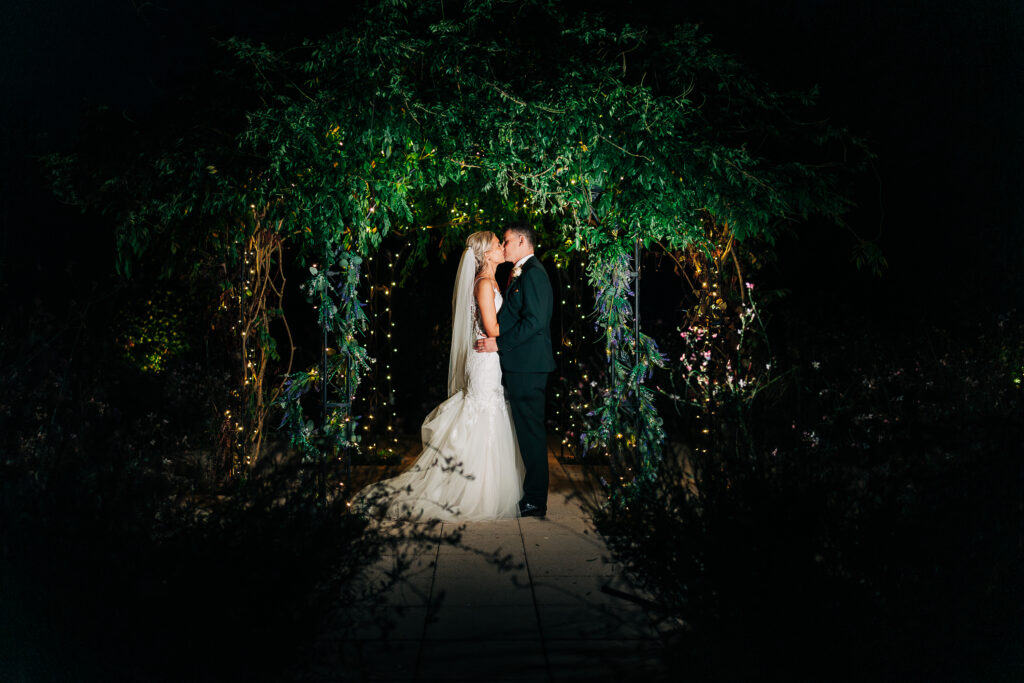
(485, 301)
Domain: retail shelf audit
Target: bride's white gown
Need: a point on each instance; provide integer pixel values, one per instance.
(470, 467)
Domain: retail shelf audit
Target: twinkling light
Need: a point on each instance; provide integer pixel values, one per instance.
(378, 399)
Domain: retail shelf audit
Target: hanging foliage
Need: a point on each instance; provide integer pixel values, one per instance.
(626, 419)
(333, 287)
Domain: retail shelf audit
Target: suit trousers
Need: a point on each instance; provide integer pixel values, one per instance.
(526, 399)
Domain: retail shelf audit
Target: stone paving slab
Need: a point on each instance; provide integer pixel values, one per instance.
(472, 580)
(402, 580)
(492, 622)
(361, 660)
(567, 554)
(606, 661)
(377, 622)
(588, 589)
(595, 622)
(505, 539)
(489, 660)
(507, 600)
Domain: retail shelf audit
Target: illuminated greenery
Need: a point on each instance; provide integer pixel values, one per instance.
(418, 120)
(154, 332)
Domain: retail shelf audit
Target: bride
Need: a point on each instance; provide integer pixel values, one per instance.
(470, 467)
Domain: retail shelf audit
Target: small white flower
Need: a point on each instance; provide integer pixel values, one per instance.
(516, 272)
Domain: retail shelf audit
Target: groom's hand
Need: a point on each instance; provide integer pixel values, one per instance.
(486, 345)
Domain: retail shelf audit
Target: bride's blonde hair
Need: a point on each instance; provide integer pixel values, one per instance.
(480, 244)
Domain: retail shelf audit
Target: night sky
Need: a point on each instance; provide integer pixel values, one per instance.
(937, 87)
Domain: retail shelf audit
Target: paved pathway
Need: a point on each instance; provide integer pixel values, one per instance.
(510, 600)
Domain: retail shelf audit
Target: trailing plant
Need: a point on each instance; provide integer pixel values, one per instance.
(625, 418)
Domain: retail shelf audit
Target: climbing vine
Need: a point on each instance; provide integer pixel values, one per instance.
(332, 288)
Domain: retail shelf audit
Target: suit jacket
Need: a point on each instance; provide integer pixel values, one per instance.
(524, 344)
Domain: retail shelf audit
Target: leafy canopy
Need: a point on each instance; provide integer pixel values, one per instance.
(614, 132)
(417, 118)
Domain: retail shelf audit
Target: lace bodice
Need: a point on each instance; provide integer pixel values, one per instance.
(478, 326)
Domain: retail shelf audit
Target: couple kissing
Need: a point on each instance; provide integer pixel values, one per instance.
(484, 449)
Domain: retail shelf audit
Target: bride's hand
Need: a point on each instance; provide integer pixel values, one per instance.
(486, 345)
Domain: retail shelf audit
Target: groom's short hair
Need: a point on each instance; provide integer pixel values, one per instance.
(525, 230)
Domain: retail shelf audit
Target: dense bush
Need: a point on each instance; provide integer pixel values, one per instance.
(864, 520)
(126, 554)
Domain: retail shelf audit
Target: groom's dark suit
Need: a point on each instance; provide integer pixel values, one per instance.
(524, 346)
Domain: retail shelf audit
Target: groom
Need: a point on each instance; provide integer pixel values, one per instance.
(524, 346)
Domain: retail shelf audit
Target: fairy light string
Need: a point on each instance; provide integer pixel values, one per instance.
(377, 403)
(256, 298)
(574, 358)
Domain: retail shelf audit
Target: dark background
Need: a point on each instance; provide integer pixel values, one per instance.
(936, 87)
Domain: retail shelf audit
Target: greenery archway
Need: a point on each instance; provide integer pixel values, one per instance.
(416, 120)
